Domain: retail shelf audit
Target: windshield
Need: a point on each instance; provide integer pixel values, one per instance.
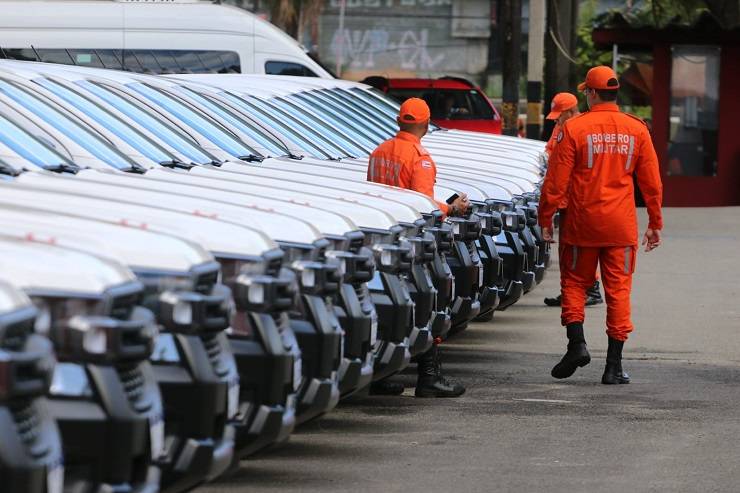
(125, 132)
(344, 121)
(450, 104)
(292, 120)
(256, 108)
(210, 130)
(378, 118)
(313, 123)
(161, 130)
(28, 147)
(381, 102)
(66, 126)
(273, 146)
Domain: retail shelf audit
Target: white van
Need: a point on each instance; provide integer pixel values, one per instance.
(153, 36)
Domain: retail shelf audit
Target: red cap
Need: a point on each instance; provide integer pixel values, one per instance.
(414, 110)
(563, 101)
(601, 77)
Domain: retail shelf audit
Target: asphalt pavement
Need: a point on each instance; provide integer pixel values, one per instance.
(675, 428)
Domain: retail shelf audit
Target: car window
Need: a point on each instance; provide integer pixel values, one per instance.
(382, 102)
(140, 61)
(288, 68)
(108, 121)
(70, 128)
(27, 146)
(154, 125)
(200, 123)
(367, 134)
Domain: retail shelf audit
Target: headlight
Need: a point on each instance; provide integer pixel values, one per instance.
(42, 324)
(182, 311)
(308, 278)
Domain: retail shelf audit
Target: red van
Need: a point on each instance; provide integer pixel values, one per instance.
(455, 102)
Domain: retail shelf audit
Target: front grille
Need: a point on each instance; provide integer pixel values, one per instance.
(16, 335)
(121, 306)
(213, 348)
(132, 381)
(273, 267)
(28, 424)
(204, 282)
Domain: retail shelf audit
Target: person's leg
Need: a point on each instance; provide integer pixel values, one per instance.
(430, 382)
(617, 266)
(577, 271)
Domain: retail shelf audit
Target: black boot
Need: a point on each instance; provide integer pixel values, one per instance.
(430, 382)
(556, 301)
(577, 354)
(613, 373)
(593, 295)
(386, 387)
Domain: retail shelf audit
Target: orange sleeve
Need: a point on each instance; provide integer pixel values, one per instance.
(647, 170)
(423, 176)
(550, 146)
(559, 170)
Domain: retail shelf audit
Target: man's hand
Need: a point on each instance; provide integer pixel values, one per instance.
(651, 240)
(459, 205)
(547, 235)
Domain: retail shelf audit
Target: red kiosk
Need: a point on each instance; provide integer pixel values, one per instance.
(693, 86)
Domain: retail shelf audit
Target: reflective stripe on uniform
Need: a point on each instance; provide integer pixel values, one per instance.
(590, 144)
(627, 260)
(630, 152)
(575, 258)
(372, 169)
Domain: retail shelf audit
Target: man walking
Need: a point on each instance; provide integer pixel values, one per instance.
(592, 167)
(564, 106)
(403, 162)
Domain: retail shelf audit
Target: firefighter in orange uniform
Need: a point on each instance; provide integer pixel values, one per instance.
(403, 162)
(592, 167)
(564, 106)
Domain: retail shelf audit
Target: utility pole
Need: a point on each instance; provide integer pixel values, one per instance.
(535, 59)
(511, 23)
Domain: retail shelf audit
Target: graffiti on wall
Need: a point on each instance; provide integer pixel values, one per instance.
(376, 47)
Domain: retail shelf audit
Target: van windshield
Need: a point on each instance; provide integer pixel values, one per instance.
(210, 130)
(108, 121)
(154, 125)
(28, 147)
(95, 145)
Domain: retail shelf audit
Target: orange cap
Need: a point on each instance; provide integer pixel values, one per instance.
(601, 77)
(563, 101)
(414, 110)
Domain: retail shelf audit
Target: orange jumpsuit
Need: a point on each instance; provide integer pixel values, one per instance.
(592, 167)
(403, 162)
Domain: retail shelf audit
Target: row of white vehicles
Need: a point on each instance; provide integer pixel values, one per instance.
(192, 265)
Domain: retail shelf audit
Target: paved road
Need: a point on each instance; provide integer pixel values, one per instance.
(675, 428)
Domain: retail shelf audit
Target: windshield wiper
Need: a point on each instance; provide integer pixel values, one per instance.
(252, 158)
(176, 164)
(6, 169)
(294, 156)
(213, 162)
(63, 168)
(135, 168)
